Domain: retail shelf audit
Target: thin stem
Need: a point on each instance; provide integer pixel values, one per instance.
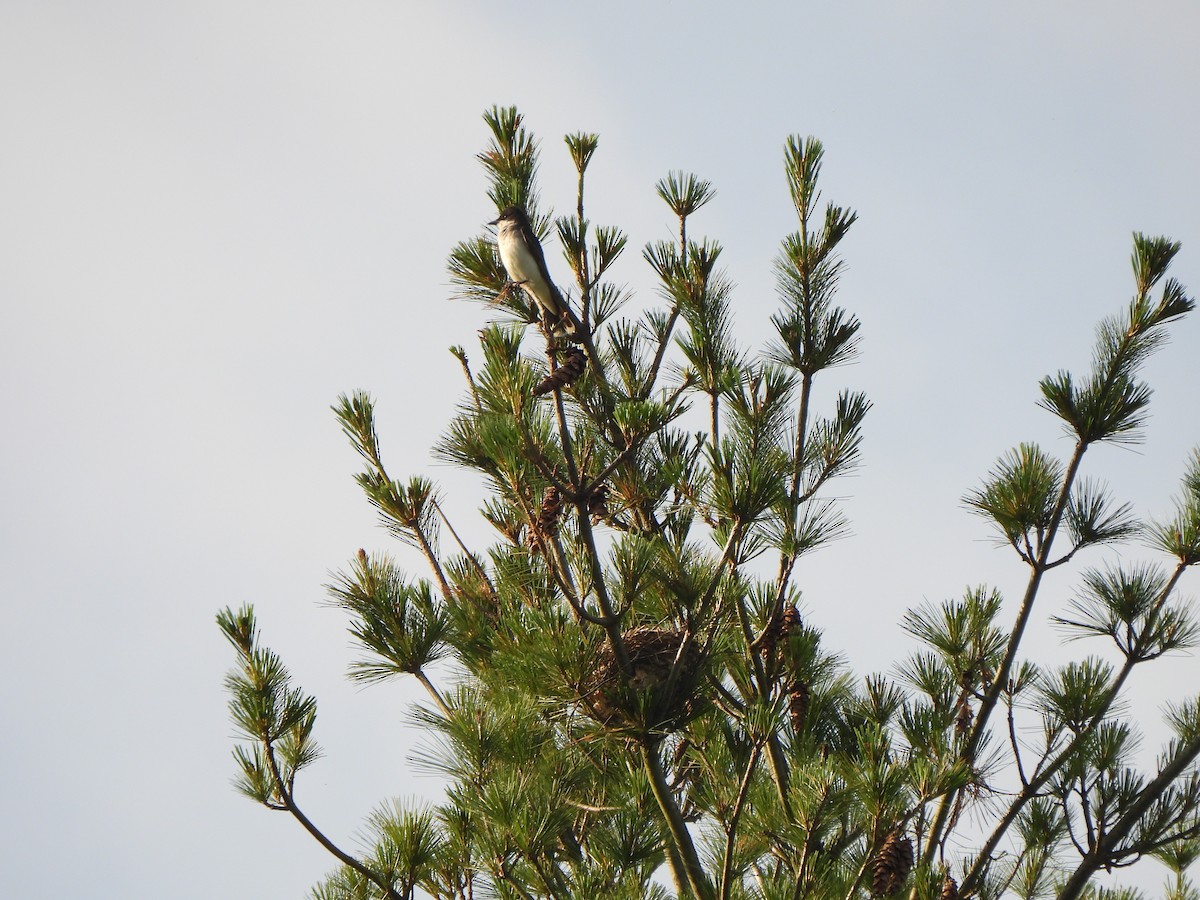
(574, 598)
(660, 352)
(729, 704)
(734, 817)
(1067, 819)
(433, 692)
(801, 435)
(1016, 748)
(581, 269)
(1086, 809)
(787, 558)
(290, 804)
(714, 418)
(461, 546)
(778, 762)
(556, 564)
(735, 536)
(1038, 568)
(466, 367)
(427, 550)
(612, 621)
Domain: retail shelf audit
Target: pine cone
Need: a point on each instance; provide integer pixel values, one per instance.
(770, 638)
(777, 630)
(791, 620)
(949, 889)
(966, 718)
(798, 705)
(547, 520)
(551, 508)
(567, 373)
(597, 502)
(890, 869)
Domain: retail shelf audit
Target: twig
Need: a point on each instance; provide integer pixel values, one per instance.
(734, 817)
(290, 803)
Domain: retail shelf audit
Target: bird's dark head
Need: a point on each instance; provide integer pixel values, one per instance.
(512, 214)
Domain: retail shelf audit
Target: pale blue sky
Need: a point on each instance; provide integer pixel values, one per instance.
(215, 217)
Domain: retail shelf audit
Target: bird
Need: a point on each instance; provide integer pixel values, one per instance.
(525, 263)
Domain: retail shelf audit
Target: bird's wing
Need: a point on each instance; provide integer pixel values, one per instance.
(539, 257)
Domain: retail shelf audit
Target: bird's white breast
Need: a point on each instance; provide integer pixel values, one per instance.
(518, 262)
(522, 267)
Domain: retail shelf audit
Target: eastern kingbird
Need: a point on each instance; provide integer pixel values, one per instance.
(521, 253)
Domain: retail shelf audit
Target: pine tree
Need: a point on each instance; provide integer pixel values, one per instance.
(637, 699)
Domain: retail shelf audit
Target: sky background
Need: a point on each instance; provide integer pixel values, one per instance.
(215, 217)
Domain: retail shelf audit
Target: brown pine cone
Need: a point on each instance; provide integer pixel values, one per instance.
(770, 639)
(546, 525)
(966, 717)
(890, 869)
(778, 630)
(568, 373)
(949, 889)
(798, 698)
(532, 542)
(597, 502)
(551, 508)
(791, 620)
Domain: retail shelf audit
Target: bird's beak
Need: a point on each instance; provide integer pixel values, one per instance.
(494, 222)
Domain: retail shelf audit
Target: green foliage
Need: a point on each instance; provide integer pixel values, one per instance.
(402, 627)
(623, 690)
(1127, 603)
(276, 718)
(1180, 536)
(1020, 496)
(1110, 403)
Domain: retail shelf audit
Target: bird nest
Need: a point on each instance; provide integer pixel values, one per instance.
(660, 692)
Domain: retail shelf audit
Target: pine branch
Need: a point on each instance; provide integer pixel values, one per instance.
(1100, 855)
(265, 707)
(345, 858)
(1108, 407)
(731, 829)
(1033, 787)
(692, 873)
